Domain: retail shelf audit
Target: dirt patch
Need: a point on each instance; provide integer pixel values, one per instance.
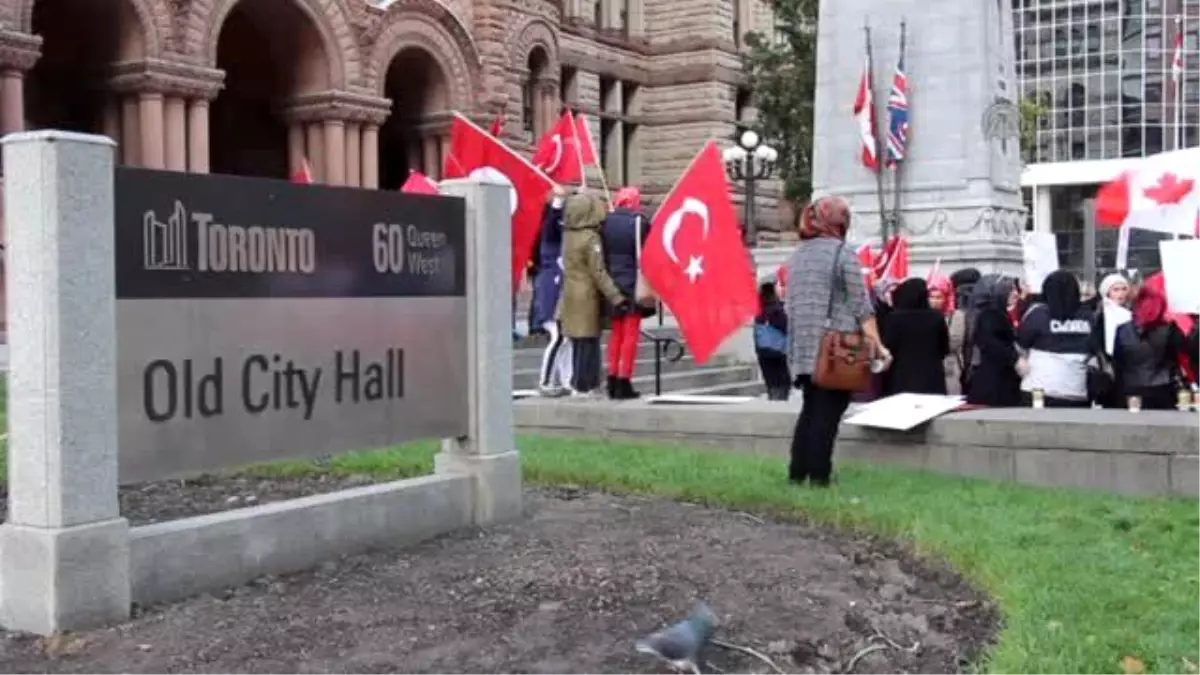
(567, 590)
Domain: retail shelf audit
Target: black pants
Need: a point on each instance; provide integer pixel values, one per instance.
(776, 375)
(816, 431)
(586, 360)
(1052, 402)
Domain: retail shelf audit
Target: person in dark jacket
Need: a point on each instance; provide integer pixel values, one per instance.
(917, 336)
(1147, 352)
(964, 282)
(1057, 333)
(625, 230)
(556, 370)
(994, 367)
(777, 376)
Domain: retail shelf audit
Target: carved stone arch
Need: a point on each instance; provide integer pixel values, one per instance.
(434, 28)
(531, 33)
(154, 16)
(332, 20)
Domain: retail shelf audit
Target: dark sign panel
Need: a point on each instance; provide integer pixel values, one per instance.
(186, 236)
(260, 320)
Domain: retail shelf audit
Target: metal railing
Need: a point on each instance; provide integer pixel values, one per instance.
(666, 347)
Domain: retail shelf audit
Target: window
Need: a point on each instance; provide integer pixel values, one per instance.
(598, 13)
(530, 108)
(528, 96)
(568, 89)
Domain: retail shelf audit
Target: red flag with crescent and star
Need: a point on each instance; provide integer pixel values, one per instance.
(558, 153)
(419, 184)
(695, 260)
(476, 154)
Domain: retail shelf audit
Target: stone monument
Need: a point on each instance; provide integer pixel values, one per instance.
(959, 198)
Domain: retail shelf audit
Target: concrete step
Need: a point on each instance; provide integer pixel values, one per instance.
(531, 357)
(696, 378)
(747, 387)
(527, 378)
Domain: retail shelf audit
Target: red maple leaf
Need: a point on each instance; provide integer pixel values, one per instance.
(1169, 189)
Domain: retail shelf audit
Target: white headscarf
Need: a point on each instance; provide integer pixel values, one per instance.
(1108, 282)
(1114, 314)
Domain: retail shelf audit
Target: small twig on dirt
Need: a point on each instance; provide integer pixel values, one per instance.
(892, 643)
(861, 653)
(622, 507)
(713, 667)
(751, 652)
(751, 516)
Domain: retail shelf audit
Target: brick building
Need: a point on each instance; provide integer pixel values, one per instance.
(363, 89)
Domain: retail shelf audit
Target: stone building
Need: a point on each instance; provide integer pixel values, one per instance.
(364, 89)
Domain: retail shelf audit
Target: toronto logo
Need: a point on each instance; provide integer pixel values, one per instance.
(164, 244)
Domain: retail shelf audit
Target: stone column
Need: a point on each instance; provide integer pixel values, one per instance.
(335, 152)
(354, 154)
(296, 150)
(197, 130)
(430, 150)
(1043, 210)
(316, 151)
(176, 134)
(111, 124)
(150, 109)
(12, 102)
(614, 152)
(131, 132)
(64, 550)
(370, 156)
(487, 454)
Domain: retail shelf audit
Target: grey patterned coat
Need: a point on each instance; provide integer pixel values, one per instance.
(810, 281)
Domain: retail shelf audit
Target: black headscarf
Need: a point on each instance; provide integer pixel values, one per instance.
(1060, 292)
(911, 294)
(992, 292)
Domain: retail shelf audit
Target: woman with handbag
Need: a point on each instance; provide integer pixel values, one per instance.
(625, 230)
(833, 334)
(770, 343)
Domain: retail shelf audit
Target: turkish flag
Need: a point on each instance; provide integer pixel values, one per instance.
(497, 129)
(558, 152)
(1161, 193)
(476, 154)
(419, 184)
(892, 263)
(587, 145)
(304, 175)
(866, 258)
(695, 260)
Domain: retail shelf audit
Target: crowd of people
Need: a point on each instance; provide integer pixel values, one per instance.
(585, 274)
(983, 336)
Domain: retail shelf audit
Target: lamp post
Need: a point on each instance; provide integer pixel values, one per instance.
(750, 161)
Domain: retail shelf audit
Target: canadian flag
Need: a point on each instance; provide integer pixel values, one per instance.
(1160, 194)
(864, 114)
(419, 184)
(558, 152)
(476, 154)
(587, 145)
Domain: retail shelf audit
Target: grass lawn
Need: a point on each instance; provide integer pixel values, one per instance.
(1088, 582)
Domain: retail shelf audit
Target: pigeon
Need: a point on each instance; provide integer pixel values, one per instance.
(681, 643)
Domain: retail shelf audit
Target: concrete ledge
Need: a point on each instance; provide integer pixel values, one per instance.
(185, 557)
(1152, 452)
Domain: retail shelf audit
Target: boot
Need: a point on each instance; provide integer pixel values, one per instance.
(612, 387)
(627, 390)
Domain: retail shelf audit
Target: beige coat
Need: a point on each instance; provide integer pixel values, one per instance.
(953, 362)
(586, 283)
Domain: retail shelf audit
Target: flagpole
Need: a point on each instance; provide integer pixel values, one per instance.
(883, 234)
(899, 162)
(1179, 79)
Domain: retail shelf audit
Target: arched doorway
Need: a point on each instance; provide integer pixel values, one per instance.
(417, 86)
(81, 40)
(270, 52)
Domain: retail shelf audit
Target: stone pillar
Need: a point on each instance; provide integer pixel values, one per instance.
(197, 130)
(297, 153)
(12, 101)
(176, 134)
(131, 132)
(111, 124)
(614, 154)
(335, 152)
(354, 154)
(370, 156)
(316, 151)
(487, 454)
(64, 550)
(150, 109)
(1043, 211)
(431, 148)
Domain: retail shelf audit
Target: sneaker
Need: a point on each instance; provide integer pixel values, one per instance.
(553, 392)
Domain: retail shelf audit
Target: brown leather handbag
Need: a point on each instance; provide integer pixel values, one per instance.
(843, 358)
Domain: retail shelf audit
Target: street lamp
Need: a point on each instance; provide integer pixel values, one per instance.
(751, 160)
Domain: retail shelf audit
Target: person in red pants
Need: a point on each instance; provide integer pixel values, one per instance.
(625, 231)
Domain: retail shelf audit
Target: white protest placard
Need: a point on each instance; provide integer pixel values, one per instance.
(903, 411)
(1181, 274)
(1041, 257)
